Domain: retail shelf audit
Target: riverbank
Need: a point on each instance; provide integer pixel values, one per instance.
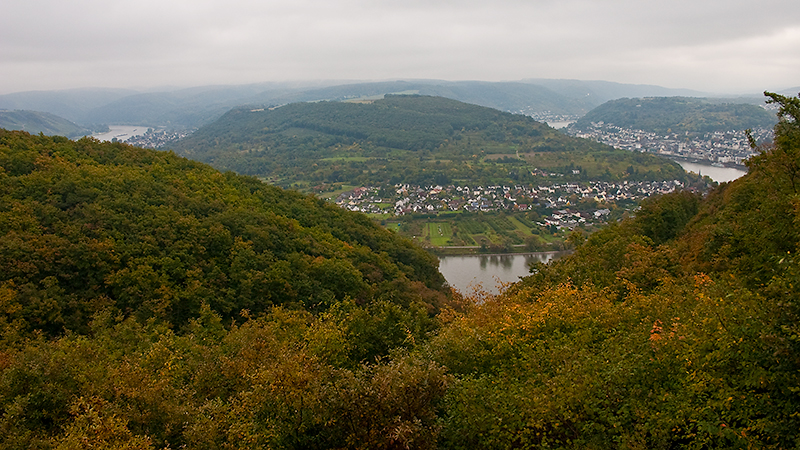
(121, 132)
(474, 250)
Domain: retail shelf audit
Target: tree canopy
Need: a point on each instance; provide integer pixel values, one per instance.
(88, 225)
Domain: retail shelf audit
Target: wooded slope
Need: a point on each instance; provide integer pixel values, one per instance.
(678, 115)
(35, 122)
(401, 139)
(89, 225)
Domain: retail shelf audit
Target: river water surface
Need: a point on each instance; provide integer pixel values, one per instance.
(718, 174)
(468, 272)
(121, 132)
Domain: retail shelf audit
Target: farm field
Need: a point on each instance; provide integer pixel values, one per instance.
(472, 233)
(438, 234)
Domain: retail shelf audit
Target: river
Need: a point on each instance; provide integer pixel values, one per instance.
(121, 132)
(466, 272)
(718, 174)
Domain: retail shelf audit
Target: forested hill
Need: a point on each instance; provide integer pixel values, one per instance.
(409, 139)
(405, 122)
(35, 122)
(88, 226)
(678, 115)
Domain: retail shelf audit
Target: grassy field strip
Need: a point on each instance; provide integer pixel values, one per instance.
(348, 158)
(333, 194)
(525, 230)
(439, 233)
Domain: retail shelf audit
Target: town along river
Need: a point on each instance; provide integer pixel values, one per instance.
(466, 272)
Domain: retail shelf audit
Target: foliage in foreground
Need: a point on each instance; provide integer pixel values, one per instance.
(677, 329)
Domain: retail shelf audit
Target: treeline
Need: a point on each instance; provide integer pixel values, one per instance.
(674, 329)
(678, 115)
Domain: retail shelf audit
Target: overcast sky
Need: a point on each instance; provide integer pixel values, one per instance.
(725, 46)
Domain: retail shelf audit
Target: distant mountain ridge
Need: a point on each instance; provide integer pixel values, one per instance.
(36, 122)
(599, 92)
(71, 104)
(194, 107)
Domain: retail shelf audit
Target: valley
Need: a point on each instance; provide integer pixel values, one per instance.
(409, 159)
(148, 300)
(400, 225)
(437, 150)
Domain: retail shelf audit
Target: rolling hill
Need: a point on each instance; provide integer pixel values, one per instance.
(38, 122)
(678, 115)
(403, 138)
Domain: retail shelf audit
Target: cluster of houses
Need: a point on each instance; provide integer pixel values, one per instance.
(570, 218)
(717, 147)
(404, 199)
(157, 138)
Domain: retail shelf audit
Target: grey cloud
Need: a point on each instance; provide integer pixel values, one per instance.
(680, 43)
